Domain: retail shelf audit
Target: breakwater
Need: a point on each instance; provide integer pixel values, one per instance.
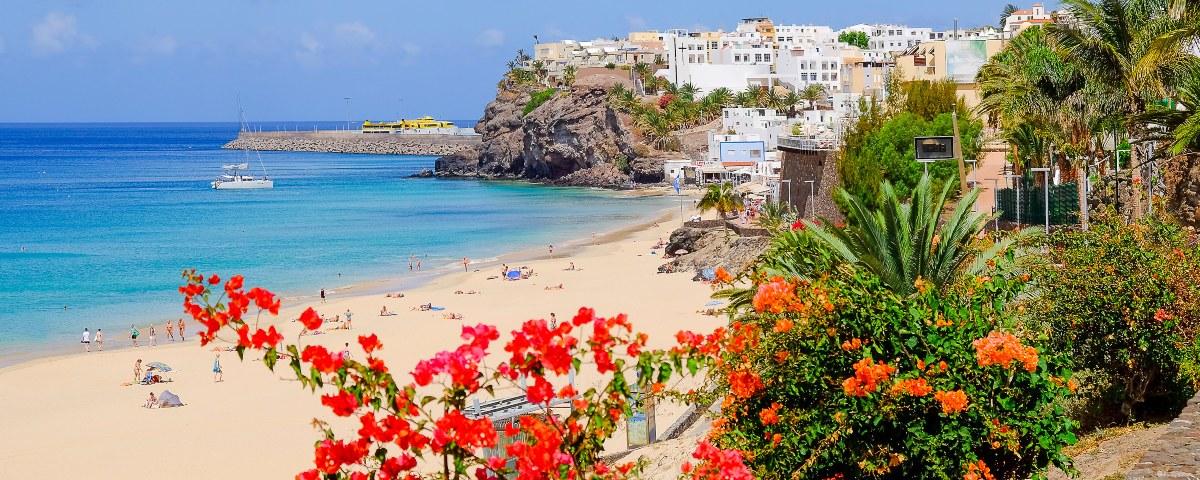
(353, 142)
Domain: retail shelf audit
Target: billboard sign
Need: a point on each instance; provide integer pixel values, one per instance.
(934, 148)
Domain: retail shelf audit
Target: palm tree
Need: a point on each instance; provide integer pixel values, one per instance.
(642, 73)
(539, 70)
(812, 93)
(569, 75)
(1133, 48)
(1183, 125)
(657, 128)
(773, 99)
(1008, 11)
(790, 101)
(903, 242)
(722, 198)
(688, 92)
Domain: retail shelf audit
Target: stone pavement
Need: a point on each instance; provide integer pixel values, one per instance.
(1177, 452)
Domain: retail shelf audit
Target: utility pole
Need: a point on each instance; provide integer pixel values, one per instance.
(347, 99)
(962, 165)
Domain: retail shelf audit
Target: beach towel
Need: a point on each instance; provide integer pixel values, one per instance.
(514, 274)
(168, 399)
(437, 309)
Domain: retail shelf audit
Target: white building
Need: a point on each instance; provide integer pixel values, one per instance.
(801, 66)
(891, 38)
(788, 35)
(766, 123)
(1023, 18)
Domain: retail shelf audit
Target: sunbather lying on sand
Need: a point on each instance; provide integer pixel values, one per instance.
(395, 295)
(555, 287)
(151, 402)
(424, 307)
(452, 316)
(384, 312)
(468, 292)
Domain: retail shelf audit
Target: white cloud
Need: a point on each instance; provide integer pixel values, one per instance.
(411, 49)
(491, 38)
(354, 33)
(164, 45)
(636, 23)
(58, 33)
(309, 51)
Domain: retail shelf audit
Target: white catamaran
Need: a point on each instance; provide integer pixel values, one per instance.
(233, 177)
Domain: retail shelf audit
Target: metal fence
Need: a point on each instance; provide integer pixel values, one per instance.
(1064, 203)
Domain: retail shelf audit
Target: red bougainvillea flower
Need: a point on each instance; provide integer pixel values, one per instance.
(867, 377)
(343, 404)
(269, 338)
(321, 359)
(770, 415)
(716, 464)
(978, 471)
(916, 387)
(1003, 349)
(467, 433)
(1161, 315)
(798, 225)
(310, 319)
(332, 454)
(369, 343)
(952, 402)
(214, 279)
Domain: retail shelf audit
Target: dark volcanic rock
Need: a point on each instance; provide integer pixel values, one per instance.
(573, 138)
(1182, 178)
(684, 239)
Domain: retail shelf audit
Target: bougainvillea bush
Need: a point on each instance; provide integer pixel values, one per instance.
(1124, 301)
(838, 377)
(423, 414)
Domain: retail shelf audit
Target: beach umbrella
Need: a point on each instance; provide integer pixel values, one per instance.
(162, 367)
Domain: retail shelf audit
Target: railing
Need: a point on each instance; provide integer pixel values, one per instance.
(799, 143)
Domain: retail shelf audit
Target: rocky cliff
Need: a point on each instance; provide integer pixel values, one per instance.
(573, 138)
(1182, 178)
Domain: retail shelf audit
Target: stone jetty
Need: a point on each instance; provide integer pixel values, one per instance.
(354, 142)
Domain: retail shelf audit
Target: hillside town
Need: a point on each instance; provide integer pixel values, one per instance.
(813, 78)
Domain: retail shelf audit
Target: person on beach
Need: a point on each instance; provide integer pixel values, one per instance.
(133, 334)
(553, 321)
(410, 263)
(150, 402)
(86, 341)
(180, 325)
(152, 342)
(322, 295)
(100, 339)
(345, 353)
(572, 267)
(418, 264)
(218, 375)
(466, 261)
(170, 330)
(348, 318)
(552, 249)
(137, 371)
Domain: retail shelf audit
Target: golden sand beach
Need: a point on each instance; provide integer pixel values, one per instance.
(71, 416)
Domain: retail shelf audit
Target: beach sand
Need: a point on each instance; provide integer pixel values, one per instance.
(70, 416)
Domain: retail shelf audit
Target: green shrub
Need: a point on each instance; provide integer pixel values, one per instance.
(839, 377)
(610, 65)
(1124, 301)
(537, 99)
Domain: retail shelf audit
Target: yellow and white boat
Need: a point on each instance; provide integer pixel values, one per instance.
(419, 125)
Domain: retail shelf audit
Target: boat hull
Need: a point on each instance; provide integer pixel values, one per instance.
(243, 184)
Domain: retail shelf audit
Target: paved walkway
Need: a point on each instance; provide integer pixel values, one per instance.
(990, 167)
(1177, 452)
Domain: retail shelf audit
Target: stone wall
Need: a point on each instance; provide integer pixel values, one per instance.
(1177, 452)
(820, 166)
(351, 142)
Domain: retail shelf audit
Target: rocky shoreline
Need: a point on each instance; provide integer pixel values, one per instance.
(346, 142)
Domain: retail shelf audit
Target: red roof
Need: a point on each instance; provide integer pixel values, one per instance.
(737, 164)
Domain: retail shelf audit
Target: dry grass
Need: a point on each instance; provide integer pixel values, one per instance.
(1092, 441)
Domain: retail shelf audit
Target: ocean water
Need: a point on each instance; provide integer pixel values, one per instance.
(98, 220)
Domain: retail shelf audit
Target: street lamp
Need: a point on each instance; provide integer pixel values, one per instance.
(1046, 187)
(996, 202)
(1018, 188)
(347, 99)
(974, 183)
(812, 209)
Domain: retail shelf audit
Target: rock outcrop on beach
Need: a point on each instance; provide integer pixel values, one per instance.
(1182, 178)
(711, 248)
(345, 142)
(574, 138)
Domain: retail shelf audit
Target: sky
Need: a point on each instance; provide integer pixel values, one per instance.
(147, 61)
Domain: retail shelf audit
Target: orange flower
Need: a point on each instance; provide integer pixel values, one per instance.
(953, 401)
(921, 365)
(913, 387)
(744, 383)
(770, 416)
(722, 275)
(776, 296)
(782, 356)
(942, 322)
(1003, 349)
(852, 344)
(783, 325)
(978, 471)
(867, 377)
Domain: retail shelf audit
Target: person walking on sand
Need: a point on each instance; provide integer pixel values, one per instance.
(152, 342)
(348, 318)
(553, 321)
(218, 375)
(100, 339)
(86, 341)
(137, 371)
(133, 334)
(418, 264)
(466, 261)
(552, 249)
(322, 295)
(170, 330)
(180, 325)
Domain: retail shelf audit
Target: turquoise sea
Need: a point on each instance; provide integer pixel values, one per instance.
(98, 220)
